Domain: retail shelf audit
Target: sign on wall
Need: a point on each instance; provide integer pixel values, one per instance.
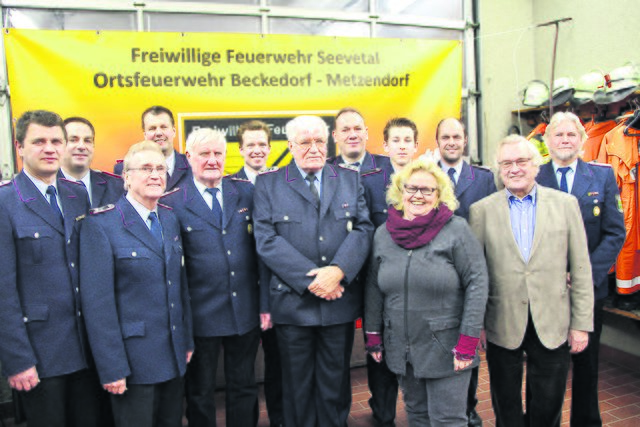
(220, 80)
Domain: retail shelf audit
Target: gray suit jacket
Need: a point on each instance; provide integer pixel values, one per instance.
(540, 285)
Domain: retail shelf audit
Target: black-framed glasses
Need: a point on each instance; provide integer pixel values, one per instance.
(148, 170)
(425, 191)
(508, 164)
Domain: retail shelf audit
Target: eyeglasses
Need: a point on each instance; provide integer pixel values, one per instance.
(425, 191)
(508, 164)
(148, 170)
(307, 144)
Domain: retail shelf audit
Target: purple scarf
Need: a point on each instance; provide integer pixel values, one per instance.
(420, 231)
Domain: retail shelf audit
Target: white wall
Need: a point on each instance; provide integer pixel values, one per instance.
(506, 64)
(602, 35)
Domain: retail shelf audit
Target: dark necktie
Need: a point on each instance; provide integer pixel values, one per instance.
(312, 187)
(563, 180)
(356, 164)
(215, 206)
(156, 228)
(451, 172)
(85, 187)
(51, 191)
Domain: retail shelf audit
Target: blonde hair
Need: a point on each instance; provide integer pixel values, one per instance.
(563, 116)
(445, 189)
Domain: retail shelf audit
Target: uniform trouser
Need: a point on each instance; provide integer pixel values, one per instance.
(316, 381)
(546, 378)
(71, 400)
(435, 402)
(149, 405)
(241, 401)
(383, 385)
(585, 411)
(272, 376)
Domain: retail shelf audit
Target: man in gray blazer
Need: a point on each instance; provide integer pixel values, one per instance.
(313, 231)
(540, 288)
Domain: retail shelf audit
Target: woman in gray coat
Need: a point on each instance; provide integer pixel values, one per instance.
(427, 284)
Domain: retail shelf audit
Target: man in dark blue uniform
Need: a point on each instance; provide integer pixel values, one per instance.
(215, 215)
(103, 187)
(352, 135)
(471, 183)
(313, 232)
(594, 185)
(159, 126)
(135, 297)
(43, 350)
(401, 144)
(254, 138)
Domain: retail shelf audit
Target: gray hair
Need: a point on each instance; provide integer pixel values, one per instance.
(202, 135)
(300, 123)
(536, 157)
(562, 116)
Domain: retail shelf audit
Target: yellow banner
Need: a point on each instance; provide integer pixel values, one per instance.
(220, 80)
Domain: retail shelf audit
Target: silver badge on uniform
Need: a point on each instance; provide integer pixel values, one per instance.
(349, 225)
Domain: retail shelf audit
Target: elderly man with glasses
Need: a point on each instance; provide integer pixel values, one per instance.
(313, 231)
(135, 297)
(540, 288)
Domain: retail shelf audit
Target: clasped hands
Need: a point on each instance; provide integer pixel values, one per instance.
(326, 282)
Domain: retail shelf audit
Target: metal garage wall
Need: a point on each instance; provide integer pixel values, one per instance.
(432, 19)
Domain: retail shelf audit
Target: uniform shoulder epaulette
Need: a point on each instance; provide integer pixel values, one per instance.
(604, 165)
(5, 182)
(349, 167)
(71, 181)
(113, 175)
(102, 209)
(165, 206)
(371, 172)
(269, 170)
(235, 178)
(170, 192)
(119, 161)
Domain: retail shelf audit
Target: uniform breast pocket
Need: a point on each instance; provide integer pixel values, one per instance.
(129, 262)
(344, 219)
(591, 213)
(32, 243)
(378, 213)
(287, 224)
(36, 313)
(379, 209)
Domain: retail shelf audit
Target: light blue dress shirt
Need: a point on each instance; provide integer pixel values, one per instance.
(523, 220)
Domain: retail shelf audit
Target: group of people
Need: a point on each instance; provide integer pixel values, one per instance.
(119, 290)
